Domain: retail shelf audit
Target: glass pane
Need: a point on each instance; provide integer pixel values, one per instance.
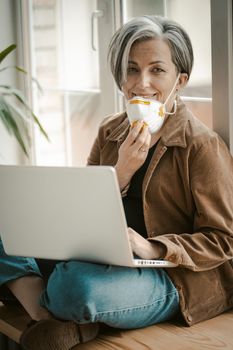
(67, 67)
(194, 16)
(79, 65)
(85, 118)
(50, 110)
(133, 8)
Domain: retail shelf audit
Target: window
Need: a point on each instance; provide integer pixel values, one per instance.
(69, 41)
(198, 93)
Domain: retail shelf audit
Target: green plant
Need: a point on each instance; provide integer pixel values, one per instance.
(15, 112)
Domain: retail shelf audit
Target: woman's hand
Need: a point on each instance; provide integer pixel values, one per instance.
(132, 152)
(143, 248)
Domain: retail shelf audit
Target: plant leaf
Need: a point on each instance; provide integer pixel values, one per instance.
(21, 99)
(13, 118)
(3, 117)
(21, 121)
(21, 70)
(15, 92)
(15, 67)
(6, 52)
(11, 125)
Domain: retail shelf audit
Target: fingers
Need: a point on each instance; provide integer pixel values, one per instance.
(147, 142)
(142, 142)
(139, 135)
(137, 243)
(131, 234)
(134, 150)
(135, 130)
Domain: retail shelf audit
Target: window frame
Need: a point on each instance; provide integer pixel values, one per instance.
(222, 68)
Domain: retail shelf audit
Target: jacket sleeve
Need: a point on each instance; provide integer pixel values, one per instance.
(211, 243)
(94, 156)
(94, 159)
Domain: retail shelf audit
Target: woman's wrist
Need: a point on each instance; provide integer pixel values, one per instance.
(123, 178)
(159, 250)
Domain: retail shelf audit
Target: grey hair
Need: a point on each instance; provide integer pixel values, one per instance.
(144, 28)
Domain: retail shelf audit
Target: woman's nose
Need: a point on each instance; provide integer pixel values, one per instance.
(143, 81)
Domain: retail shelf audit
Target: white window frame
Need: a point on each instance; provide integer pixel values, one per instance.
(222, 68)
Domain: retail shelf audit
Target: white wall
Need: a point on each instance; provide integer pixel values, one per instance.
(9, 150)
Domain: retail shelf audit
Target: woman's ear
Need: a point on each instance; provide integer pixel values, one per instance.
(183, 79)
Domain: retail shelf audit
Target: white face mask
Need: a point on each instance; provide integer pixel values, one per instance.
(152, 112)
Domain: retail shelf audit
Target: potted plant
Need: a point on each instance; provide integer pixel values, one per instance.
(15, 112)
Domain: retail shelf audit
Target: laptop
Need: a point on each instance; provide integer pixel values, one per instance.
(66, 213)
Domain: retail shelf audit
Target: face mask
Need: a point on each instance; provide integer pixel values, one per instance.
(152, 112)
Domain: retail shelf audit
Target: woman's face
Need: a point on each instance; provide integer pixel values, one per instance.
(151, 72)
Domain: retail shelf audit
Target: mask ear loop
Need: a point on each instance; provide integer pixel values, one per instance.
(174, 108)
(175, 102)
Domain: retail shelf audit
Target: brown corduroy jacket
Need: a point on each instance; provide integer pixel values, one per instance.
(188, 207)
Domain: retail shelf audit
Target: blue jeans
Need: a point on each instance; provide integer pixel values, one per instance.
(120, 297)
(12, 267)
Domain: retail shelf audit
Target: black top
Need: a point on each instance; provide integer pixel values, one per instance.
(133, 201)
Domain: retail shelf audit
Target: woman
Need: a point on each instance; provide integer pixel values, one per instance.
(176, 181)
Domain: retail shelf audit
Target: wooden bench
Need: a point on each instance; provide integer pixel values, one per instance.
(216, 333)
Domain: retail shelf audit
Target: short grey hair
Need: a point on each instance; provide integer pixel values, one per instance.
(144, 28)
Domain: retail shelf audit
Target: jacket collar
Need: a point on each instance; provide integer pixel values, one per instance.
(121, 132)
(173, 133)
(175, 127)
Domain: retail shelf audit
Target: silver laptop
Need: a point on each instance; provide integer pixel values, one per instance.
(66, 213)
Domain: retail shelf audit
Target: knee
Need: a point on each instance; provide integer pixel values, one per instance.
(69, 293)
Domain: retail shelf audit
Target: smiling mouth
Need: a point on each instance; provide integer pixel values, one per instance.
(154, 96)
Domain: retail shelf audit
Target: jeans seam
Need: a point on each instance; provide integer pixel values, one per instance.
(144, 306)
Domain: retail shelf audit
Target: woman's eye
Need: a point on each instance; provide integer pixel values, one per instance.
(131, 70)
(157, 70)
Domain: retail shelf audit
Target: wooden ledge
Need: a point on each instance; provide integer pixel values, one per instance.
(13, 320)
(212, 334)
